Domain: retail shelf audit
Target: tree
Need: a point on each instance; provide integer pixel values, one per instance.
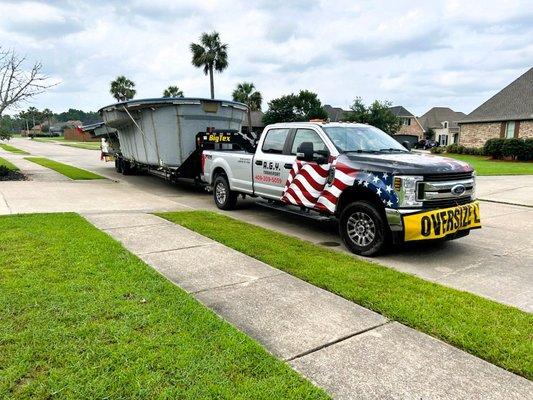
(378, 114)
(211, 55)
(289, 108)
(245, 93)
(122, 88)
(32, 116)
(47, 115)
(173, 91)
(17, 85)
(429, 134)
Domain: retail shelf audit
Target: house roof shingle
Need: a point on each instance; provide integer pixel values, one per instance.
(400, 111)
(437, 115)
(514, 102)
(335, 114)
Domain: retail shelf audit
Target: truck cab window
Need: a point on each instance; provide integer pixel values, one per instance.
(307, 135)
(275, 141)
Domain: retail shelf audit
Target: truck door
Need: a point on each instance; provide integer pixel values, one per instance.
(269, 167)
(307, 179)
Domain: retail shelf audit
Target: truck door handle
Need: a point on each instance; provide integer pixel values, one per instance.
(258, 162)
(288, 166)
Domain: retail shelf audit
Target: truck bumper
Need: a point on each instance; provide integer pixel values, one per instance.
(423, 224)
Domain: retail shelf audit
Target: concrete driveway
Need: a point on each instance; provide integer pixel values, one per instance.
(495, 262)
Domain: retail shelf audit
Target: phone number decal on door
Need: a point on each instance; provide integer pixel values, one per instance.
(268, 179)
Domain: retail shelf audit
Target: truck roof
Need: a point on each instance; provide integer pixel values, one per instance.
(317, 123)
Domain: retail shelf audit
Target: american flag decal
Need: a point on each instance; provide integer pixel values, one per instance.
(305, 183)
(308, 185)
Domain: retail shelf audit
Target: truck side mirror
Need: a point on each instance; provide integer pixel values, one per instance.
(407, 145)
(305, 151)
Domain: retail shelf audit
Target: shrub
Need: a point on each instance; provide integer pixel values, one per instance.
(452, 148)
(528, 150)
(514, 148)
(4, 171)
(493, 148)
(437, 150)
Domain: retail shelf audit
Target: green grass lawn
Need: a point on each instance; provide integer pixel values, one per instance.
(8, 165)
(497, 333)
(83, 318)
(12, 149)
(65, 169)
(486, 166)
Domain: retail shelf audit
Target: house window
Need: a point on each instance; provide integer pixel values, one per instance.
(445, 124)
(509, 130)
(406, 121)
(443, 140)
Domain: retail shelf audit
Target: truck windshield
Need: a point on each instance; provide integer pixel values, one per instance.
(362, 139)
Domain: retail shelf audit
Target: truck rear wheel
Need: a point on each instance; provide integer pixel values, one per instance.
(363, 228)
(225, 199)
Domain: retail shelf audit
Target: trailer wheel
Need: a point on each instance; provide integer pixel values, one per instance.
(225, 199)
(127, 168)
(118, 165)
(363, 228)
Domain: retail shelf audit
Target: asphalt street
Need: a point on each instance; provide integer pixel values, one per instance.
(495, 262)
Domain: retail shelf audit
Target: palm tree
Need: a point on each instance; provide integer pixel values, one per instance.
(173, 91)
(210, 55)
(245, 93)
(47, 115)
(122, 88)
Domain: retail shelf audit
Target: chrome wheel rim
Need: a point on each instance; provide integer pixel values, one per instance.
(220, 193)
(361, 228)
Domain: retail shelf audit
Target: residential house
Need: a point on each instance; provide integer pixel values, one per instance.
(443, 120)
(507, 114)
(410, 124)
(257, 122)
(335, 114)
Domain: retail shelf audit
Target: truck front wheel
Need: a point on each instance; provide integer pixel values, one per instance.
(225, 199)
(363, 228)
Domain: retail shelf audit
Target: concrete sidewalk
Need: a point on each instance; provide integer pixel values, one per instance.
(348, 350)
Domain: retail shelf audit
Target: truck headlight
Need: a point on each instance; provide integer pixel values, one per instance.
(406, 189)
(474, 185)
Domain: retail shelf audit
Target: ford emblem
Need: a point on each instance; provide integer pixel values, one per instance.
(458, 190)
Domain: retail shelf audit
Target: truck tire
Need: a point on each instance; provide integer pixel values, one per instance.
(225, 199)
(363, 228)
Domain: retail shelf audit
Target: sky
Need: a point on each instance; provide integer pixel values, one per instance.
(418, 54)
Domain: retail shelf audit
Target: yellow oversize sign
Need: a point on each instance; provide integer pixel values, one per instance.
(439, 223)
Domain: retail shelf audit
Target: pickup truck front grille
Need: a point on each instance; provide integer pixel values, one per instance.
(446, 190)
(446, 203)
(447, 177)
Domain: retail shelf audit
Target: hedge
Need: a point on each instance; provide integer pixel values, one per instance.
(516, 149)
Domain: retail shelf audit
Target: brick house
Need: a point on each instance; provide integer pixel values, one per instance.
(507, 114)
(410, 124)
(443, 120)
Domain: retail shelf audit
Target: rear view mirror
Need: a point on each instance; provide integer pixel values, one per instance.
(305, 151)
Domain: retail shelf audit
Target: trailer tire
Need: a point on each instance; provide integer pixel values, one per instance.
(363, 228)
(225, 198)
(118, 165)
(127, 168)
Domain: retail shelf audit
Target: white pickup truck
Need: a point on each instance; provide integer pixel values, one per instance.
(379, 190)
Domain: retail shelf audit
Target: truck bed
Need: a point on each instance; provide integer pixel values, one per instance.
(237, 164)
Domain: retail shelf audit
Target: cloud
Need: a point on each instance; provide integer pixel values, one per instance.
(415, 53)
(373, 48)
